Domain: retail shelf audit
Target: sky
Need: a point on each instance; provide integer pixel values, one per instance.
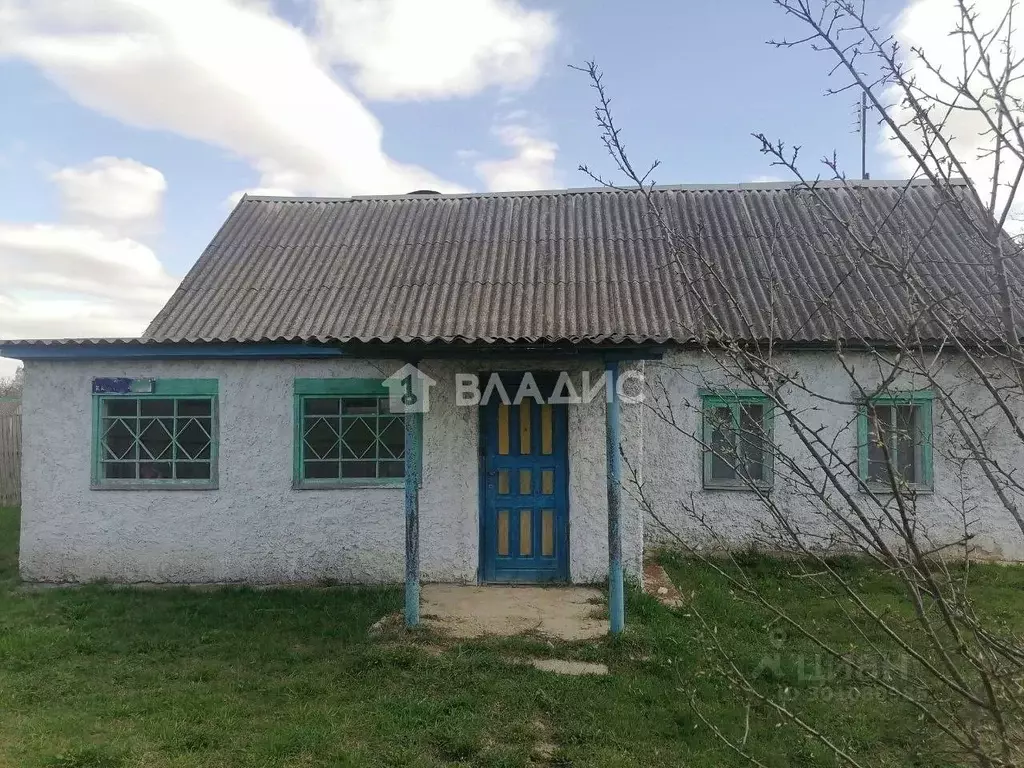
(129, 128)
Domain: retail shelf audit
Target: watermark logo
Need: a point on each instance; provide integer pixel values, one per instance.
(470, 391)
(409, 390)
(801, 670)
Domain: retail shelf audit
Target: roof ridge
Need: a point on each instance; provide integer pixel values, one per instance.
(745, 186)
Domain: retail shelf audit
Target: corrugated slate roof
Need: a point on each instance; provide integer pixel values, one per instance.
(757, 261)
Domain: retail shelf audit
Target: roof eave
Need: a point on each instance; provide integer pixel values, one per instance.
(140, 349)
(144, 349)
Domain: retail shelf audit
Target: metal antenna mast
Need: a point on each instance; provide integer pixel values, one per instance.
(864, 136)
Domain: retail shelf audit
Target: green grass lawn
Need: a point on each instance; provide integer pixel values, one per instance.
(100, 676)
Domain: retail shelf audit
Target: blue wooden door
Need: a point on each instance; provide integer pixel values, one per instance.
(525, 515)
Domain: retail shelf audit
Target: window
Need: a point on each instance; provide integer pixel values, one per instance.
(347, 435)
(896, 430)
(737, 439)
(155, 433)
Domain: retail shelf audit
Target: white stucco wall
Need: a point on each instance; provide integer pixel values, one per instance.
(673, 482)
(255, 527)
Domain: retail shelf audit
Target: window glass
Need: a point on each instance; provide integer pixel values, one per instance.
(736, 434)
(153, 439)
(723, 448)
(751, 441)
(351, 438)
(897, 431)
(908, 443)
(879, 442)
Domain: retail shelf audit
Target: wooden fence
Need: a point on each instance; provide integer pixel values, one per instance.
(10, 457)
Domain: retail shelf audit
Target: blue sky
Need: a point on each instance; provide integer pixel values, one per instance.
(130, 126)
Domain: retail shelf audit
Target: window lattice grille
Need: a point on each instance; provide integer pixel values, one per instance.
(351, 438)
(156, 438)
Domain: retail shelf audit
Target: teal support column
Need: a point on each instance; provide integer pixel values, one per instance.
(613, 434)
(412, 519)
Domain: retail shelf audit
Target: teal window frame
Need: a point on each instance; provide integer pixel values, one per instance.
(924, 399)
(735, 400)
(306, 389)
(159, 389)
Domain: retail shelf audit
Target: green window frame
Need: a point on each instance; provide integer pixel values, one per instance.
(347, 437)
(909, 419)
(737, 431)
(162, 435)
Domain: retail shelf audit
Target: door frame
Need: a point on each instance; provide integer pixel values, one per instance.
(542, 378)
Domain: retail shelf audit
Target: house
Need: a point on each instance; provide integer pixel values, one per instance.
(267, 427)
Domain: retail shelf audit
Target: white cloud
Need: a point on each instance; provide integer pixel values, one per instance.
(51, 317)
(226, 73)
(69, 281)
(62, 280)
(231, 74)
(79, 260)
(928, 25)
(411, 49)
(77, 280)
(532, 166)
(112, 192)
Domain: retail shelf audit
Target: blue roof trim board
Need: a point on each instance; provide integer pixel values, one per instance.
(141, 349)
(120, 349)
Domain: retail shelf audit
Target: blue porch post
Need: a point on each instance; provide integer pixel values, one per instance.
(616, 598)
(412, 520)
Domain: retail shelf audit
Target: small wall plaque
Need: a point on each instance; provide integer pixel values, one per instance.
(122, 386)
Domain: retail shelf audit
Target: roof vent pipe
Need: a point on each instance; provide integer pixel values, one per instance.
(425, 192)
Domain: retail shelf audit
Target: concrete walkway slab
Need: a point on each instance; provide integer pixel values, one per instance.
(565, 613)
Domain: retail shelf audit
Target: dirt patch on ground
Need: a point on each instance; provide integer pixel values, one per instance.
(387, 626)
(565, 613)
(430, 649)
(543, 750)
(561, 666)
(660, 586)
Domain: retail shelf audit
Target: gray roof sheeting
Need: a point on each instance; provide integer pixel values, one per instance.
(762, 261)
